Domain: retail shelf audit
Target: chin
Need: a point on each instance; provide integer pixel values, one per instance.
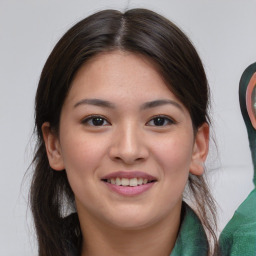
(132, 224)
(132, 220)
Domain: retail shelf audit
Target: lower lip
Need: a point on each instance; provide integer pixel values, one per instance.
(130, 191)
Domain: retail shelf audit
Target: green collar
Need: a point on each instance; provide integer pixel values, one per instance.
(192, 240)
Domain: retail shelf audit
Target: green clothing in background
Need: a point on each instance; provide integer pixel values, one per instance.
(239, 236)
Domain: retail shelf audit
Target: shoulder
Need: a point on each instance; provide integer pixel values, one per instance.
(191, 240)
(239, 236)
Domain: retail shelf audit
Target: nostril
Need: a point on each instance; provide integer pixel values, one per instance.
(128, 153)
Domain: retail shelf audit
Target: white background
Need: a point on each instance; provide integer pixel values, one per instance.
(223, 32)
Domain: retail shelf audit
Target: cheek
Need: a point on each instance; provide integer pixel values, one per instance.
(174, 154)
(174, 158)
(82, 154)
(82, 159)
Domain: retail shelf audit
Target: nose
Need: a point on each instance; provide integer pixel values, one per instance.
(128, 145)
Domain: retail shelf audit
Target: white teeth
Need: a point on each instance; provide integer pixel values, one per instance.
(140, 181)
(133, 182)
(125, 182)
(118, 181)
(145, 181)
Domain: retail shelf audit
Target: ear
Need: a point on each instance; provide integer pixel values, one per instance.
(53, 148)
(250, 100)
(200, 150)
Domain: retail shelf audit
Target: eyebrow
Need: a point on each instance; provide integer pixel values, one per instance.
(146, 105)
(95, 102)
(161, 102)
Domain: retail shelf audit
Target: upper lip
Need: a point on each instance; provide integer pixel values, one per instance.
(129, 175)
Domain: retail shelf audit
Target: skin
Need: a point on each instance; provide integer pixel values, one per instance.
(128, 139)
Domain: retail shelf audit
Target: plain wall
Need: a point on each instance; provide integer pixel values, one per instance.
(224, 35)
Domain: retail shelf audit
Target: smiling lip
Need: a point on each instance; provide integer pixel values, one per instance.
(129, 190)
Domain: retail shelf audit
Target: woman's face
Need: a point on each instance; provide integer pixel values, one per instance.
(126, 142)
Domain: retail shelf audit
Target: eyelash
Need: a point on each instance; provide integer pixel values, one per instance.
(166, 121)
(88, 120)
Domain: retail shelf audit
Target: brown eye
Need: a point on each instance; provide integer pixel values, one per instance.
(160, 121)
(95, 121)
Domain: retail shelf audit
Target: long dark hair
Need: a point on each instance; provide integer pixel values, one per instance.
(138, 31)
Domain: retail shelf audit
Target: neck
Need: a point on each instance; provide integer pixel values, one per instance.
(101, 239)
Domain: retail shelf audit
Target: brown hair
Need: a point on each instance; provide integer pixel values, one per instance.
(139, 31)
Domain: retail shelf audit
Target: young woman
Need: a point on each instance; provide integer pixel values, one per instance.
(122, 127)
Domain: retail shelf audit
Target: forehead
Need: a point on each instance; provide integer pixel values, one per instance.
(119, 72)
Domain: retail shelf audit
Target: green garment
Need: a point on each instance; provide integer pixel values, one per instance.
(239, 236)
(192, 240)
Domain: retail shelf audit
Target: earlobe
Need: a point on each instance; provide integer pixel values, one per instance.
(250, 100)
(200, 150)
(52, 146)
